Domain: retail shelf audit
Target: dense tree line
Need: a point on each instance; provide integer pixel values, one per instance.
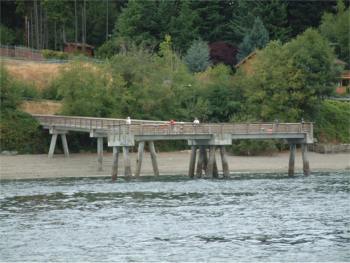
(48, 24)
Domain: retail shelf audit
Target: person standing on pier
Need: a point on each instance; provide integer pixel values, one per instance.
(196, 121)
(128, 120)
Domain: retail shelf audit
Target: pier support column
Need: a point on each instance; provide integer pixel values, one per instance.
(100, 153)
(192, 161)
(127, 164)
(65, 145)
(210, 167)
(52, 145)
(153, 157)
(205, 158)
(115, 163)
(225, 168)
(139, 158)
(215, 167)
(292, 147)
(306, 166)
(200, 161)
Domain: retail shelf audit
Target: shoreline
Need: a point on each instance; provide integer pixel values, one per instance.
(39, 166)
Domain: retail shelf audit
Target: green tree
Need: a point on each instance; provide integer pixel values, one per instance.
(7, 35)
(183, 28)
(258, 37)
(213, 17)
(197, 57)
(335, 27)
(223, 99)
(289, 81)
(304, 14)
(273, 14)
(145, 22)
(87, 90)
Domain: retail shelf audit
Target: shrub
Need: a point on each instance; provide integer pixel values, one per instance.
(333, 122)
(21, 132)
(18, 130)
(52, 54)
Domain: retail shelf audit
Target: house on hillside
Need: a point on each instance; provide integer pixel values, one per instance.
(343, 86)
(85, 49)
(246, 63)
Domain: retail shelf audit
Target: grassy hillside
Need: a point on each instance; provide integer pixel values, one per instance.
(38, 74)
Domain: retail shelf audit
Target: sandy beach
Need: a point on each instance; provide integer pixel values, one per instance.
(171, 163)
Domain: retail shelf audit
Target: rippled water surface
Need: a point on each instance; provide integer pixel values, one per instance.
(246, 218)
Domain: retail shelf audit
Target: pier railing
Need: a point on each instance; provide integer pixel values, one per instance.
(147, 127)
(210, 128)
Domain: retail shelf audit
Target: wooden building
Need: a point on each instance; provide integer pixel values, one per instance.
(344, 83)
(79, 48)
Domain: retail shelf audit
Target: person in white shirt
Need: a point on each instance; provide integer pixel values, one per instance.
(128, 120)
(196, 121)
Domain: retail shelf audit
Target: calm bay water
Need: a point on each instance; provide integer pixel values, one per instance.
(251, 217)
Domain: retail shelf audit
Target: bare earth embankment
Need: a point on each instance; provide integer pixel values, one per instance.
(85, 165)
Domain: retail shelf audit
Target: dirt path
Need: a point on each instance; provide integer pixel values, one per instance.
(81, 165)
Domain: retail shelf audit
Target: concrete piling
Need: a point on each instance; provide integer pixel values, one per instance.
(306, 166)
(200, 161)
(115, 163)
(139, 158)
(292, 148)
(153, 157)
(127, 164)
(210, 166)
(192, 161)
(100, 153)
(65, 145)
(225, 168)
(52, 145)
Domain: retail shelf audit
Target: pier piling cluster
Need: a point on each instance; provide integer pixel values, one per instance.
(204, 140)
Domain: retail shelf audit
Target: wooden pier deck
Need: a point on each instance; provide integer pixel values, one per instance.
(204, 137)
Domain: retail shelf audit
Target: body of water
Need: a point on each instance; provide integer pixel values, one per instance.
(251, 217)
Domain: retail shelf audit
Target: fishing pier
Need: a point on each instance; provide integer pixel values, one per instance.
(203, 139)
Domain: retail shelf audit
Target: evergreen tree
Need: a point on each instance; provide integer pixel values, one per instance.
(258, 37)
(183, 28)
(146, 22)
(197, 57)
(212, 19)
(335, 27)
(273, 13)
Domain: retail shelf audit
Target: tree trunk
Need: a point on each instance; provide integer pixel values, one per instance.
(76, 21)
(55, 36)
(36, 17)
(107, 21)
(31, 30)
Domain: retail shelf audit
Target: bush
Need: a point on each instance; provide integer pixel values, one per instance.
(333, 122)
(18, 130)
(52, 54)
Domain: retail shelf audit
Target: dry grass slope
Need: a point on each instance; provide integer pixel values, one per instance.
(40, 74)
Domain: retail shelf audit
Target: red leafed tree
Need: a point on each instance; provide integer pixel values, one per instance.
(222, 52)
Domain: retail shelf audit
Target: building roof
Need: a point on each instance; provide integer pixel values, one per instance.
(78, 45)
(340, 62)
(345, 74)
(244, 60)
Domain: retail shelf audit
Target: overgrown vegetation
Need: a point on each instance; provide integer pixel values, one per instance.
(332, 123)
(18, 130)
